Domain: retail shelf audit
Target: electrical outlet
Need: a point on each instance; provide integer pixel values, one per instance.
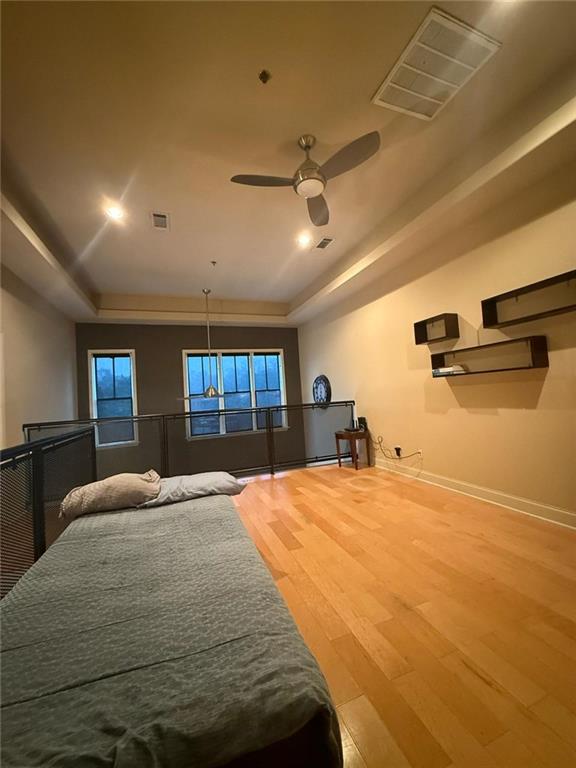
(398, 450)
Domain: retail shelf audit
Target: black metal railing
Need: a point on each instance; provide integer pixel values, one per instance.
(34, 478)
(275, 438)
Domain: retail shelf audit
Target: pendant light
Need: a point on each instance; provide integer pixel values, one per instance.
(210, 390)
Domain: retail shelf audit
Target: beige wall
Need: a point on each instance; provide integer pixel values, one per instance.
(513, 432)
(38, 360)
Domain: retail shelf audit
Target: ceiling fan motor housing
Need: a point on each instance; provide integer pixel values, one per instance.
(308, 181)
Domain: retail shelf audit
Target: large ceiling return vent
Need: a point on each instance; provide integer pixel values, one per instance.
(441, 57)
(160, 220)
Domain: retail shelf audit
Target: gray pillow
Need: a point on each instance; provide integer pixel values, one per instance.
(183, 487)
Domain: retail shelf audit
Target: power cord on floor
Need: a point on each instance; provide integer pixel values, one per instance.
(388, 452)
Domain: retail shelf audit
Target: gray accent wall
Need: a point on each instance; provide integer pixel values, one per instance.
(160, 382)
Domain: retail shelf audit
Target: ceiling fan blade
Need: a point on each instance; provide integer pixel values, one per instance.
(351, 155)
(262, 181)
(318, 210)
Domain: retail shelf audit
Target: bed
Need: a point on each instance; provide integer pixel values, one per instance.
(157, 638)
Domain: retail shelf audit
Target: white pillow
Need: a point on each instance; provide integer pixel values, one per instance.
(183, 487)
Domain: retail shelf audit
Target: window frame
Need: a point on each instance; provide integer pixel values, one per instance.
(131, 353)
(220, 384)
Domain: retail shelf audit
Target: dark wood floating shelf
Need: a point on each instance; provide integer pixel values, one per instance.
(512, 355)
(531, 302)
(437, 328)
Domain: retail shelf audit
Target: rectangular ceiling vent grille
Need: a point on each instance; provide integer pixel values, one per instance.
(325, 242)
(443, 55)
(160, 220)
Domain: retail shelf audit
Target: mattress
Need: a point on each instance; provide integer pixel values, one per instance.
(158, 638)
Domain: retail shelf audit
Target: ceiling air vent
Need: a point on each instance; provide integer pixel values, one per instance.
(325, 242)
(441, 57)
(160, 220)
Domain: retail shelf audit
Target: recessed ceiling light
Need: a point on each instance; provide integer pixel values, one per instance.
(114, 212)
(304, 240)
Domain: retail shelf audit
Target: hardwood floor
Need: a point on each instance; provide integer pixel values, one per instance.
(445, 626)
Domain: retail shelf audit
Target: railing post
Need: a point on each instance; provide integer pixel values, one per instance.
(38, 525)
(270, 439)
(94, 460)
(164, 468)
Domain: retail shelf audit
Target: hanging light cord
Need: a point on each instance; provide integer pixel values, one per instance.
(210, 391)
(206, 292)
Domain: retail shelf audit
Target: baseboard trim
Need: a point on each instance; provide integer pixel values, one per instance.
(517, 503)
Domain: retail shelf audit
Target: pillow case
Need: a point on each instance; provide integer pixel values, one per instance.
(115, 492)
(183, 487)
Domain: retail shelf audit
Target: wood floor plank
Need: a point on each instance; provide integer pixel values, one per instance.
(409, 732)
(541, 666)
(558, 718)
(380, 650)
(510, 752)
(285, 535)
(374, 740)
(342, 684)
(552, 751)
(444, 726)
(445, 626)
(330, 621)
(351, 753)
(555, 638)
(478, 720)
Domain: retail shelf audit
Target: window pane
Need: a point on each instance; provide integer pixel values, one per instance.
(205, 425)
(204, 404)
(115, 432)
(195, 379)
(238, 422)
(260, 371)
(116, 407)
(229, 372)
(104, 377)
(123, 376)
(265, 400)
(272, 368)
(243, 373)
(238, 400)
(276, 420)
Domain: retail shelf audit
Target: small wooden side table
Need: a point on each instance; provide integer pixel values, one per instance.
(353, 437)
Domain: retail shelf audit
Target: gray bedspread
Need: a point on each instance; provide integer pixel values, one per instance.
(155, 638)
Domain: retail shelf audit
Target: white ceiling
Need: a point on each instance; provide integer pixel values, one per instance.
(157, 104)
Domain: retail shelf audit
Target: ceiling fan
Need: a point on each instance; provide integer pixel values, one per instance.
(310, 179)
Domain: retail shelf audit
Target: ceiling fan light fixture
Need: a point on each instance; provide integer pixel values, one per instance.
(211, 391)
(309, 181)
(311, 187)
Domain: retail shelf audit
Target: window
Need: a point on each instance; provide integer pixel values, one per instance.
(113, 393)
(267, 386)
(244, 379)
